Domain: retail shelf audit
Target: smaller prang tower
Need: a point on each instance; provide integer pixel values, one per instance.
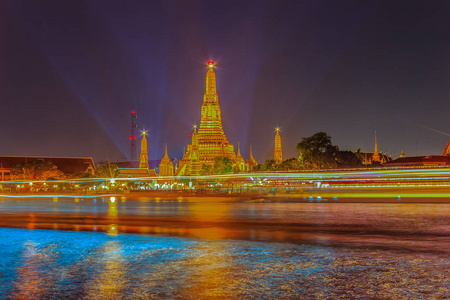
(241, 164)
(278, 153)
(133, 136)
(251, 162)
(143, 159)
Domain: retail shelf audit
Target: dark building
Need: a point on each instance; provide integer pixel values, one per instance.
(422, 161)
(70, 166)
(130, 169)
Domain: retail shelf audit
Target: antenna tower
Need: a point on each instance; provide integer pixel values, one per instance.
(133, 136)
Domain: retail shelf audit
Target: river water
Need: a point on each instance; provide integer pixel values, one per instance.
(139, 248)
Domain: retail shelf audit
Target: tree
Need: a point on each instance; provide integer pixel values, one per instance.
(222, 165)
(36, 170)
(289, 164)
(85, 175)
(107, 170)
(286, 165)
(317, 152)
(207, 169)
(348, 159)
(269, 165)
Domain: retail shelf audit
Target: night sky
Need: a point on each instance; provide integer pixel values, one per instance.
(72, 71)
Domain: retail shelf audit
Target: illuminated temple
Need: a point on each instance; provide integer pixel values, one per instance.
(210, 140)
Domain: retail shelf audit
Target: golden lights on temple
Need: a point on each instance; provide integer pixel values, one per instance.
(210, 141)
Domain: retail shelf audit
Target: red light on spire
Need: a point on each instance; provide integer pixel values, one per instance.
(210, 63)
(131, 137)
(132, 112)
(134, 137)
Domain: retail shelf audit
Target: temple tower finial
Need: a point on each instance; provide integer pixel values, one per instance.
(211, 79)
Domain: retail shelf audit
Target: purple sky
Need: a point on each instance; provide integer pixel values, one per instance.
(72, 71)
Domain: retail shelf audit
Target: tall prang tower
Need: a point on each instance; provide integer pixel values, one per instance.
(278, 153)
(211, 137)
(211, 141)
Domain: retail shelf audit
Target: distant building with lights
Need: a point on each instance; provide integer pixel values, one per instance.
(367, 158)
(71, 166)
(375, 157)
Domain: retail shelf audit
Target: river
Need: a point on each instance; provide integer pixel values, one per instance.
(108, 248)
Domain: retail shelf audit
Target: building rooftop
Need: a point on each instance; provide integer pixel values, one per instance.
(67, 165)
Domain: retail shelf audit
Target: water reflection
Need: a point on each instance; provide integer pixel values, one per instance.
(112, 217)
(64, 264)
(229, 250)
(407, 227)
(33, 281)
(108, 281)
(216, 274)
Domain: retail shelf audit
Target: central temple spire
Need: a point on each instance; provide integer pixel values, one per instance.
(210, 132)
(210, 140)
